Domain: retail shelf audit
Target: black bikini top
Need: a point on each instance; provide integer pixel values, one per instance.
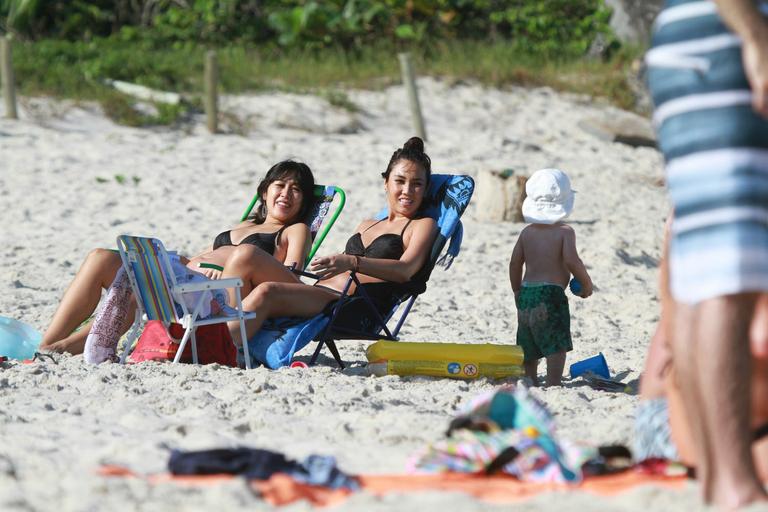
(264, 241)
(388, 246)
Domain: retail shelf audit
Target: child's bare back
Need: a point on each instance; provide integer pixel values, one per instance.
(548, 254)
(544, 247)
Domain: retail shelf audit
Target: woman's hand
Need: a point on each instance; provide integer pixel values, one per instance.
(210, 273)
(329, 266)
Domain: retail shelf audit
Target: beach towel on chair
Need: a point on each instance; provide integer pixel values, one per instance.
(280, 338)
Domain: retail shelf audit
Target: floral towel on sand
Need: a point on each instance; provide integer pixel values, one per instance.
(510, 430)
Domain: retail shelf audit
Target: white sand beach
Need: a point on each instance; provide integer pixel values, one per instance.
(59, 198)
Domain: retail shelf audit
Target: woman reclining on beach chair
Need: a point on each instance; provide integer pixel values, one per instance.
(390, 251)
(269, 239)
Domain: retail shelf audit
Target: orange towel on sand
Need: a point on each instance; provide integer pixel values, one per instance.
(281, 489)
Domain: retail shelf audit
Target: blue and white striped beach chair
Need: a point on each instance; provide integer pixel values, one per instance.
(160, 297)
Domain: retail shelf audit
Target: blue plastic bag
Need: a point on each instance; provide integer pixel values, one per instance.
(17, 339)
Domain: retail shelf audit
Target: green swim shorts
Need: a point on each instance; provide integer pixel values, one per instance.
(543, 321)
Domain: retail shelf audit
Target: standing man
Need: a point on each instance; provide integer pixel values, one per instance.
(708, 75)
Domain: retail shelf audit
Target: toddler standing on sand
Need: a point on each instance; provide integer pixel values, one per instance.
(547, 248)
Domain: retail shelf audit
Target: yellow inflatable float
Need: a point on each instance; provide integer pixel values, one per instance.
(454, 360)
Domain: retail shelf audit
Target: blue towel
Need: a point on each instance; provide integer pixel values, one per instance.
(280, 338)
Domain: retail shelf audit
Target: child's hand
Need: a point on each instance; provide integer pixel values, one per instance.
(586, 290)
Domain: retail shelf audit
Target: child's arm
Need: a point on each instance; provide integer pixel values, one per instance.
(574, 264)
(516, 267)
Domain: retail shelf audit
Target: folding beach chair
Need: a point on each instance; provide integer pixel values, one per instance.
(160, 297)
(359, 317)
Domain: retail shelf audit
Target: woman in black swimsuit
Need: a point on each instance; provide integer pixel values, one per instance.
(259, 249)
(393, 249)
(255, 250)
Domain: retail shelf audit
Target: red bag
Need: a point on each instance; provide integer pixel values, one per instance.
(214, 344)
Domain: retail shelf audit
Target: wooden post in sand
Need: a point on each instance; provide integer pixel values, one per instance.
(409, 80)
(211, 91)
(517, 201)
(6, 73)
(501, 194)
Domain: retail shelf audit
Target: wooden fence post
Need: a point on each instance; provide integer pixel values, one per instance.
(6, 73)
(409, 80)
(517, 202)
(211, 91)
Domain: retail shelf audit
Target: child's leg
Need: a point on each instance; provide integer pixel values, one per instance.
(555, 365)
(531, 366)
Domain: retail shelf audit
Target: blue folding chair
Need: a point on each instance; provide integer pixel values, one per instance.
(358, 316)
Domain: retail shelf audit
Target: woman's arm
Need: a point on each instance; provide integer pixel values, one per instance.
(299, 242)
(416, 252)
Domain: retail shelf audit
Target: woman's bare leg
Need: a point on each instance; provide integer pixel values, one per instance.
(254, 266)
(657, 363)
(79, 301)
(271, 300)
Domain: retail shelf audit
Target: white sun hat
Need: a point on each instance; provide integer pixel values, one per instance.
(549, 197)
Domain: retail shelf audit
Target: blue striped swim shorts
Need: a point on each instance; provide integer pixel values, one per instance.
(716, 152)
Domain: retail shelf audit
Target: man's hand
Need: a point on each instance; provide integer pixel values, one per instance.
(755, 58)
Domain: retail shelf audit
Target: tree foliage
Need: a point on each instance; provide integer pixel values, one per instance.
(532, 25)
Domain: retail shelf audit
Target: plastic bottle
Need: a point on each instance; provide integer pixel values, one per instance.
(453, 360)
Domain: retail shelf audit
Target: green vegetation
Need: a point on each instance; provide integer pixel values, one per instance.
(560, 26)
(70, 48)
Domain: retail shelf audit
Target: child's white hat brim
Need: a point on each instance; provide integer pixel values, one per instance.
(544, 212)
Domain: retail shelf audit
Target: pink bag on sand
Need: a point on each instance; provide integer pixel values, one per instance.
(214, 344)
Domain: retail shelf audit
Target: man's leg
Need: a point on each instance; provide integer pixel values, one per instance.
(712, 364)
